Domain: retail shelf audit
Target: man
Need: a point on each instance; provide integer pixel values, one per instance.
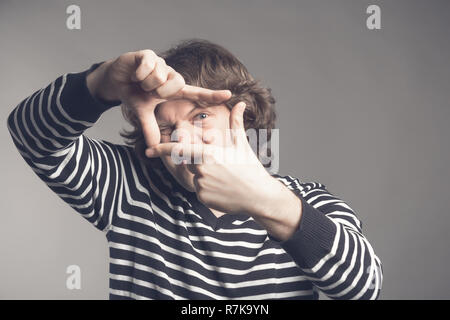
(205, 227)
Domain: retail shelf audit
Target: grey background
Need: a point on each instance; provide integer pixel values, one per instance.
(364, 112)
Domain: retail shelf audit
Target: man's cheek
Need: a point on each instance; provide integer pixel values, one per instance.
(214, 136)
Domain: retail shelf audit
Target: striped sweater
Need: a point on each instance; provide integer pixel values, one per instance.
(164, 243)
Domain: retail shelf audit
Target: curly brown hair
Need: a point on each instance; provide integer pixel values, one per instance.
(208, 65)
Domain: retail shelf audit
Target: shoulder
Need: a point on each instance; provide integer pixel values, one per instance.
(116, 152)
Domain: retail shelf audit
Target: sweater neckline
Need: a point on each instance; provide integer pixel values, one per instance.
(224, 221)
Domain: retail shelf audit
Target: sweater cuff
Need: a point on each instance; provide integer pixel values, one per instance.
(312, 240)
(78, 102)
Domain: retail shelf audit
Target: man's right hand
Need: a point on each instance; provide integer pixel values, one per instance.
(141, 80)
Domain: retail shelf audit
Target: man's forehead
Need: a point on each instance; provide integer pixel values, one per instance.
(176, 104)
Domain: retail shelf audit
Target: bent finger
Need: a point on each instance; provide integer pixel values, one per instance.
(145, 61)
(175, 82)
(157, 78)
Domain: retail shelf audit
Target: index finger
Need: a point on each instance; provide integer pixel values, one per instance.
(177, 151)
(207, 95)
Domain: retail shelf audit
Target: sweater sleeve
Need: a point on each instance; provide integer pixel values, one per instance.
(329, 245)
(47, 129)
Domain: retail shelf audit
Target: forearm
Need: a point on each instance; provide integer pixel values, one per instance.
(329, 245)
(53, 117)
(47, 129)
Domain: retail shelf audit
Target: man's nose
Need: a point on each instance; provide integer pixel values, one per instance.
(188, 134)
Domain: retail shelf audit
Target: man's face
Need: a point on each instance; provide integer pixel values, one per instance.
(194, 124)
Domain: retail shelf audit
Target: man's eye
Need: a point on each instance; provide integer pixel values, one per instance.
(201, 116)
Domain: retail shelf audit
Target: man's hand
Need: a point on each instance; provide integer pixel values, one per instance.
(227, 178)
(231, 179)
(141, 80)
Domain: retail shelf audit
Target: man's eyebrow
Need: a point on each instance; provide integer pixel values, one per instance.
(195, 107)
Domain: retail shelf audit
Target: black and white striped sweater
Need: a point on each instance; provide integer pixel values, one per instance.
(163, 242)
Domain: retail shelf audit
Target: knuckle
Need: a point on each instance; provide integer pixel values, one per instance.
(122, 57)
(200, 182)
(200, 170)
(179, 80)
(201, 195)
(159, 78)
(146, 64)
(148, 60)
(128, 54)
(145, 86)
(162, 93)
(236, 121)
(148, 52)
(161, 60)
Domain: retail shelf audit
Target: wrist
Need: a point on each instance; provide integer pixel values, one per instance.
(99, 85)
(267, 199)
(280, 212)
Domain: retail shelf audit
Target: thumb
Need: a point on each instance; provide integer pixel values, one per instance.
(150, 128)
(237, 123)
